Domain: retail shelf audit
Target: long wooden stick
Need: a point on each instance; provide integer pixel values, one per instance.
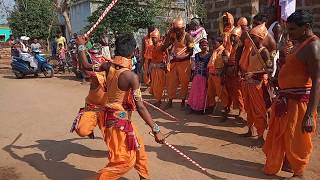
(103, 15)
(160, 110)
(182, 154)
(257, 51)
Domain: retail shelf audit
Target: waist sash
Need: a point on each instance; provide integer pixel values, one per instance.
(180, 60)
(299, 94)
(113, 118)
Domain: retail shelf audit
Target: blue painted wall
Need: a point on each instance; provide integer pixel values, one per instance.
(5, 31)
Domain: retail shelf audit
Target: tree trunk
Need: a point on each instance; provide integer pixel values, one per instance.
(62, 7)
(65, 15)
(48, 42)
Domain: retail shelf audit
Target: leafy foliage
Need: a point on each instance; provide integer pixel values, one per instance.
(126, 16)
(32, 18)
(200, 9)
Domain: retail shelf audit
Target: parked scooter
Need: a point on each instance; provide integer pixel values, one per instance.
(22, 68)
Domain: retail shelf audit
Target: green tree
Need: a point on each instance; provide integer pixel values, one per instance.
(126, 16)
(32, 18)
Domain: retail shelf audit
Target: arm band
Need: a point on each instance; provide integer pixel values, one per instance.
(137, 95)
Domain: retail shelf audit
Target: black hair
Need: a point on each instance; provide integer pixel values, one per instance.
(301, 17)
(151, 29)
(125, 45)
(260, 17)
(195, 22)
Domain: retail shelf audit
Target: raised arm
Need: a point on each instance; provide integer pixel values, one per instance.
(81, 44)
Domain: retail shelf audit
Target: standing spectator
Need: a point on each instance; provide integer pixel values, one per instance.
(73, 50)
(11, 40)
(198, 94)
(61, 40)
(105, 46)
(61, 56)
(35, 45)
(53, 48)
(11, 43)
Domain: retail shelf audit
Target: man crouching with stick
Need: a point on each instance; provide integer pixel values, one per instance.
(120, 96)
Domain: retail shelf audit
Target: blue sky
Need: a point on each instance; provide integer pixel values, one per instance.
(8, 4)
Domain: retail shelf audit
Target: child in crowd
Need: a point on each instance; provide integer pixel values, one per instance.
(61, 56)
(197, 98)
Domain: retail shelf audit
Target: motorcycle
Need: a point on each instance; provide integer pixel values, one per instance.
(22, 68)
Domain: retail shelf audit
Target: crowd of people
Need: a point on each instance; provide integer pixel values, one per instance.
(268, 70)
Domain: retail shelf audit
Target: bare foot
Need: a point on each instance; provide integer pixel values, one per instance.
(286, 166)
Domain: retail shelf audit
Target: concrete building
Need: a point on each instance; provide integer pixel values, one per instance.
(5, 32)
(79, 13)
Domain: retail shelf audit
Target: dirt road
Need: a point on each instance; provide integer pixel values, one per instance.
(35, 142)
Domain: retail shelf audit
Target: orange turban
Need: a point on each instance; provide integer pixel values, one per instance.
(229, 17)
(178, 23)
(237, 31)
(260, 31)
(155, 34)
(242, 22)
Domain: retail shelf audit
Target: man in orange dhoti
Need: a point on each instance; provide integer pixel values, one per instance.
(118, 95)
(269, 42)
(255, 77)
(179, 68)
(157, 67)
(216, 86)
(293, 114)
(232, 75)
(147, 55)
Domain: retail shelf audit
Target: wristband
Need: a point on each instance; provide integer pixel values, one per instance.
(137, 95)
(156, 128)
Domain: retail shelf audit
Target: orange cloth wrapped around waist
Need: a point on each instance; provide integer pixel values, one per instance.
(86, 121)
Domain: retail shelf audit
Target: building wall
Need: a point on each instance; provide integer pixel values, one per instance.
(79, 13)
(5, 32)
(314, 7)
(238, 8)
(249, 8)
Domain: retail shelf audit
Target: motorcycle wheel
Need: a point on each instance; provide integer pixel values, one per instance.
(48, 72)
(18, 74)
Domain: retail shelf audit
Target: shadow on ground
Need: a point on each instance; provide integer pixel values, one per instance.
(51, 163)
(211, 162)
(199, 122)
